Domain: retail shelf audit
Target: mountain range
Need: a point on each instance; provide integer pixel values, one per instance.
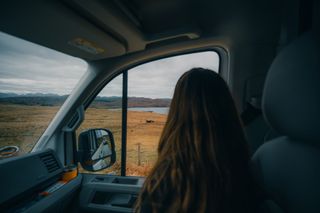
(45, 99)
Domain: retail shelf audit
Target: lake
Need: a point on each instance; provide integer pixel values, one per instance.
(160, 110)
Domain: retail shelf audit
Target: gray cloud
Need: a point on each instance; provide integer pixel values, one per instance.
(113, 88)
(158, 79)
(29, 68)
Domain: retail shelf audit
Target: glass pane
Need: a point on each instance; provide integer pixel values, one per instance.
(106, 112)
(31, 89)
(150, 89)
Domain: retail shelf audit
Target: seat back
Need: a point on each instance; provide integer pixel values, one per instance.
(288, 167)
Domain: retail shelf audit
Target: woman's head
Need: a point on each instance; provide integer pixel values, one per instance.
(202, 146)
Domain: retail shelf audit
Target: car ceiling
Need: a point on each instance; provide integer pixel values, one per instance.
(99, 29)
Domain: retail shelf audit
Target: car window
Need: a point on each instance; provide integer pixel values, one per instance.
(34, 82)
(150, 89)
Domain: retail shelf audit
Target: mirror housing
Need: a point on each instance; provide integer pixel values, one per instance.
(96, 149)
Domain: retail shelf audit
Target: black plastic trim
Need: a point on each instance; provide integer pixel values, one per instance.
(124, 122)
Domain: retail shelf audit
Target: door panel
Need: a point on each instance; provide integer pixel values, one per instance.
(109, 193)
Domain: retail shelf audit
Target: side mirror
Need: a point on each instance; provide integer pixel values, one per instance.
(96, 149)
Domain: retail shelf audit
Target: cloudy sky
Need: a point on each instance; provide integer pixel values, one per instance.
(29, 68)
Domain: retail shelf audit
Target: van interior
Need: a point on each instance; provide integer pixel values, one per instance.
(269, 55)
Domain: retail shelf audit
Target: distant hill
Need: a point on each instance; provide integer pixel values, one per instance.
(12, 95)
(6, 95)
(148, 102)
(40, 99)
(34, 100)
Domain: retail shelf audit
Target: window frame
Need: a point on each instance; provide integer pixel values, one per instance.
(222, 70)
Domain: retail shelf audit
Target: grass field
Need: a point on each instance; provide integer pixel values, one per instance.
(23, 125)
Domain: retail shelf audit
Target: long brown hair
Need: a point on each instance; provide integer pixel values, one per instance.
(202, 163)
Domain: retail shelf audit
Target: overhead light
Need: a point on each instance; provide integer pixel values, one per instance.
(86, 45)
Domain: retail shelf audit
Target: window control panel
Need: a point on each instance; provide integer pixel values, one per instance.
(110, 193)
(114, 199)
(117, 180)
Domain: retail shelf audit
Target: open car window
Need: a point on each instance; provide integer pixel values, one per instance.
(150, 89)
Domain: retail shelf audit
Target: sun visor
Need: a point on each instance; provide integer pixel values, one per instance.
(54, 25)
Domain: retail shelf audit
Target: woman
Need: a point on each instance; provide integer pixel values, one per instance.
(203, 158)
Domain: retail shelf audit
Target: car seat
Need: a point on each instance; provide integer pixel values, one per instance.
(288, 167)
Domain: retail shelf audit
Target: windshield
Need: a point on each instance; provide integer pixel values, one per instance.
(34, 83)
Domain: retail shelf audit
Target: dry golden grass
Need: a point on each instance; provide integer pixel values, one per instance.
(138, 132)
(145, 134)
(23, 125)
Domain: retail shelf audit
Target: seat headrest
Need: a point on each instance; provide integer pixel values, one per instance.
(291, 97)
